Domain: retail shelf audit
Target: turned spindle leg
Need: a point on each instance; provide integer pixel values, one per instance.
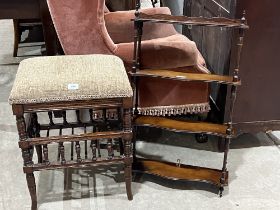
(39, 153)
(121, 147)
(224, 169)
(62, 153)
(128, 167)
(127, 152)
(78, 116)
(27, 158)
(50, 118)
(59, 146)
(64, 118)
(46, 154)
(78, 151)
(110, 148)
(72, 146)
(93, 149)
(32, 190)
(86, 145)
(36, 133)
(230, 130)
(128, 180)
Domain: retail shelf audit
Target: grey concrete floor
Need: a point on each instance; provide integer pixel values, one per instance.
(254, 166)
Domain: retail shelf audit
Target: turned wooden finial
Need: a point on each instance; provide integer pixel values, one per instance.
(243, 19)
(138, 6)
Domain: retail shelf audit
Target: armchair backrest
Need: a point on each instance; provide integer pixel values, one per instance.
(80, 26)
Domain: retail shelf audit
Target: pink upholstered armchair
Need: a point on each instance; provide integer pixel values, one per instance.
(84, 28)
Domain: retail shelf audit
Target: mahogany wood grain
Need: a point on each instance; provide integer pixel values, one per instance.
(174, 171)
(182, 76)
(182, 126)
(196, 21)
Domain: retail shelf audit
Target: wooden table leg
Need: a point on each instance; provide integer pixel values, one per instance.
(50, 35)
(16, 37)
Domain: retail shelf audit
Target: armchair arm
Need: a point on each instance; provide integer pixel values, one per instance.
(121, 27)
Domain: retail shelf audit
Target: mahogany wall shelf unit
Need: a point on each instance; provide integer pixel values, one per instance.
(177, 171)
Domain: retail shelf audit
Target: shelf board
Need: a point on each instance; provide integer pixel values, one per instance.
(173, 172)
(182, 76)
(196, 21)
(182, 126)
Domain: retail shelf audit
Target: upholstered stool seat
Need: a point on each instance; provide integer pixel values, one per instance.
(68, 78)
(57, 87)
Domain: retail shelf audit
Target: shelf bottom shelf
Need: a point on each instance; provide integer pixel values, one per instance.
(183, 172)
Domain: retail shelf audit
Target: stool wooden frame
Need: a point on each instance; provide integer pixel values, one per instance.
(178, 171)
(29, 136)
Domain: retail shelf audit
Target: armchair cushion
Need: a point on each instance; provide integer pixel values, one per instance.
(170, 52)
(121, 27)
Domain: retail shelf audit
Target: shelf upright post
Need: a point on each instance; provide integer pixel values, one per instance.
(236, 78)
(138, 28)
(138, 31)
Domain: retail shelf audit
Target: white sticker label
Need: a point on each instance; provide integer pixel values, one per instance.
(73, 86)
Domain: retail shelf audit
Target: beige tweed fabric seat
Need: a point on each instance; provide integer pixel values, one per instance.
(70, 78)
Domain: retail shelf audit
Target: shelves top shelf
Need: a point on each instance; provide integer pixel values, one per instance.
(182, 76)
(195, 21)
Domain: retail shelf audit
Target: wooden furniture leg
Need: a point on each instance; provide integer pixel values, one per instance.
(26, 154)
(127, 126)
(128, 180)
(50, 35)
(32, 189)
(16, 37)
(224, 169)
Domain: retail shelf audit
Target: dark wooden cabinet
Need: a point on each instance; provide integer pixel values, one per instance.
(119, 5)
(32, 10)
(258, 103)
(258, 99)
(19, 9)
